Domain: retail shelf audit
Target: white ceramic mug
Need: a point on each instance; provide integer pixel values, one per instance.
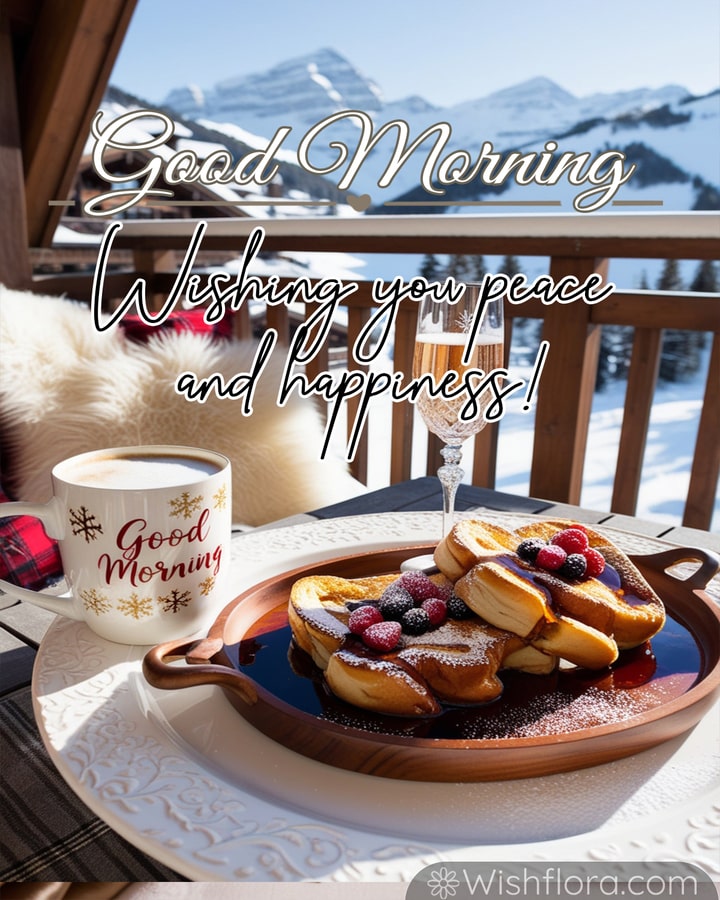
(144, 538)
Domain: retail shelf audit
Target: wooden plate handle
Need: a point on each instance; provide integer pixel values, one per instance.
(699, 579)
(160, 674)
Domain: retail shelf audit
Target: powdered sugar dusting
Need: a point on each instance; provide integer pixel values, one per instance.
(562, 713)
(457, 643)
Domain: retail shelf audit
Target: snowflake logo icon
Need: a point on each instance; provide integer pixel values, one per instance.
(95, 601)
(175, 600)
(83, 522)
(207, 585)
(185, 505)
(136, 607)
(220, 497)
(443, 883)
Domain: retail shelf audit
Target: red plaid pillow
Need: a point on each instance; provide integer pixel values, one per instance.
(183, 320)
(28, 557)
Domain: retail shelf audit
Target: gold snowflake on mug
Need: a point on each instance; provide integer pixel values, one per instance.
(95, 601)
(185, 505)
(207, 585)
(136, 607)
(220, 498)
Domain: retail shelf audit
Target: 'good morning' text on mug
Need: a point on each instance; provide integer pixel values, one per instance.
(144, 538)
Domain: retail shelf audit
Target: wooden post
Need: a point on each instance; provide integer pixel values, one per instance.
(706, 461)
(485, 442)
(15, 268)
(147, 263)
(565, 393)
(357, 320)
(642, 377)
(402, 413)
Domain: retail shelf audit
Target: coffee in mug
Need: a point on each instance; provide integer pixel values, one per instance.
(144, 538)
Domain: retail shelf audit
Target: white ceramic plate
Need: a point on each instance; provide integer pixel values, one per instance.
(185, 778)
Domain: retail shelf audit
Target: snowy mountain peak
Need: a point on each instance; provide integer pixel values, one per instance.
(311, 87)
(538, 89)
(674, 142)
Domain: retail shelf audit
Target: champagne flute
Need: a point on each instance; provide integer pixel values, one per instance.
(444, 329)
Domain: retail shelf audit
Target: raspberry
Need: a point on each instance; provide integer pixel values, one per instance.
(415, 621)
(383, 636)
(395, 602)
(595, 562)
(572, 540)
(529, 549)
(574, 566)
(457, 608)
(362, 617)
(551, 557)
(418, 585)
(436, 610)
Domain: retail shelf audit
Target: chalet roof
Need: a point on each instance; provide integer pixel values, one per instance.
(55, 64)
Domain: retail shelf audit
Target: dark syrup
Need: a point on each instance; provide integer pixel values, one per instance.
(273, 661)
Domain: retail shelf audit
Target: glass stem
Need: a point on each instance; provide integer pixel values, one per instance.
(450, 475)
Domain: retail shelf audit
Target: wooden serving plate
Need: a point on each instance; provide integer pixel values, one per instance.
(655, 692)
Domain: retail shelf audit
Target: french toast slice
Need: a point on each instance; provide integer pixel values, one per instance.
(454, 663)
(467, 542)
(318, 612)
(618, 604)
(502, 593)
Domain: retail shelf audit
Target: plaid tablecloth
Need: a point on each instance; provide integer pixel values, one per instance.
(78, 846)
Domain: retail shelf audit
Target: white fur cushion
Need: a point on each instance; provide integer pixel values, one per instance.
(65, 389)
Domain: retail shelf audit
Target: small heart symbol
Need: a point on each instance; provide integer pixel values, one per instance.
(361, 203)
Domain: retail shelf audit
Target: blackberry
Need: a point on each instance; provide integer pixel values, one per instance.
(395, 587)
(415, 621)
(529, 549)
(458, 609)
(574, 566)
(395, 602)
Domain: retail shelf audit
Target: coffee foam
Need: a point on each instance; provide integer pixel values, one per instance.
(138, 472)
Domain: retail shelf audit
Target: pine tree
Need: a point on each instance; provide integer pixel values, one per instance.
(459, 267)
(479, 269)
(680, 356)
(706, 279)
(705, 282)
(670, 279)
(430, 268)
(615, 351)
(509, 266)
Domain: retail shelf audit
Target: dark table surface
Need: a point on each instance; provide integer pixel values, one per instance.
(47, 833)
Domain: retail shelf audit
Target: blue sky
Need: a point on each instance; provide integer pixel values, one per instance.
(445, 50)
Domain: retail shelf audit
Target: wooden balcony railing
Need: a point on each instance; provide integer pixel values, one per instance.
(578, 245)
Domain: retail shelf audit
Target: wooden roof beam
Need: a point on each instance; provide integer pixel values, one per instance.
(62, 79)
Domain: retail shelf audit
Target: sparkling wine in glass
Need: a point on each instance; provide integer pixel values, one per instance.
(444, 330)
